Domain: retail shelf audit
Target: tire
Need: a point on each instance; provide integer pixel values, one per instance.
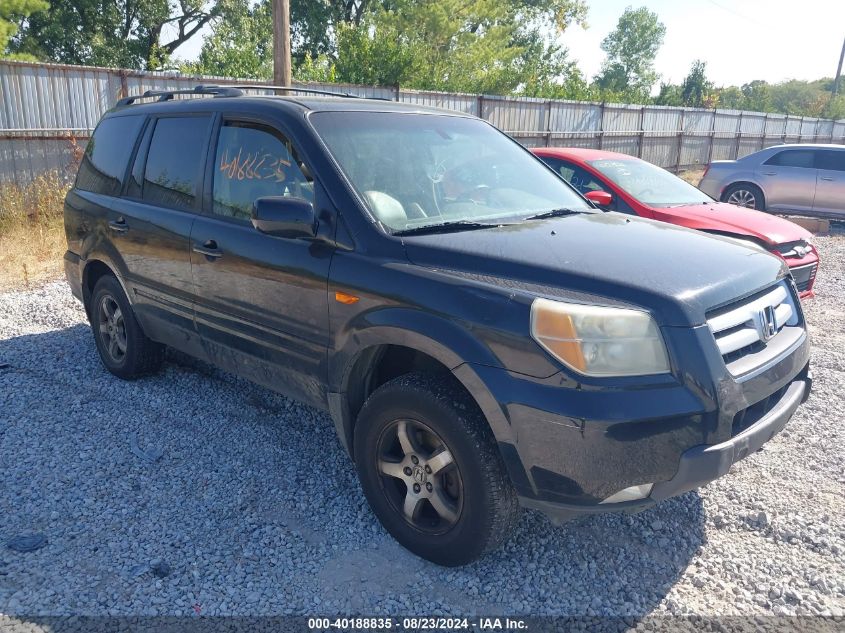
(465, 504)
(745, 195)
(123, 347)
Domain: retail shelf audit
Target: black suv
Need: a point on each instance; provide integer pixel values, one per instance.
(482, 337)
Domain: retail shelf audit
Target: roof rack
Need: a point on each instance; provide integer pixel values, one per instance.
(314, 91)
(167, 95)
(232, 91)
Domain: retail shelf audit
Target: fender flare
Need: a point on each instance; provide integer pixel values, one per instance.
(444, 340)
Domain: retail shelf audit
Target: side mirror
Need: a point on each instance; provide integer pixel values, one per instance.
(599, 198)
(283, 216)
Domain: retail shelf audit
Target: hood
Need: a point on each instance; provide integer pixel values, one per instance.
(729, 218)
(678, 274)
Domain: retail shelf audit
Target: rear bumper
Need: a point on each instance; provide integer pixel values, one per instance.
(73, 273)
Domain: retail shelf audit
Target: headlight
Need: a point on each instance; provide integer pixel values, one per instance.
(599, 341)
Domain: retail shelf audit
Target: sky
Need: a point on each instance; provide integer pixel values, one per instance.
(741, 40)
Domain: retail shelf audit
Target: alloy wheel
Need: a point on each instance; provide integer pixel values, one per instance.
(743, 198)
(419, 476)
(112, 328)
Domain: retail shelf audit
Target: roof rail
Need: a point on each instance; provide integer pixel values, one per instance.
(167, 95)
(314, 91)
(231, 91)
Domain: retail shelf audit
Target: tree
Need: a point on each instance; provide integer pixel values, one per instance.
(696, 89)
(241, 44)
(495, 46)
(124, 33)
(631, 49)
(13, 12)
(490, 46)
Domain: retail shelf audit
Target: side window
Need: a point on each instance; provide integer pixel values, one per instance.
(107, 153)
(174, 162)
(578, 177)
(793, 158)
(254, 161)
(831, 159)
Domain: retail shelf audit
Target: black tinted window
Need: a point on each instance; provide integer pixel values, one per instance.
(793, 158)
(831, 159)
(104, 162)
(174, 162)
(254, 161)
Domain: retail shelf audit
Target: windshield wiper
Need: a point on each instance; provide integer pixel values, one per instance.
(554, 213)
(446, 227)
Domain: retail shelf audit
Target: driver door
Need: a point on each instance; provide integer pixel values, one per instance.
(261, 301)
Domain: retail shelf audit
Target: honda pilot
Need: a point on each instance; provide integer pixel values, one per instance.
(482, 337)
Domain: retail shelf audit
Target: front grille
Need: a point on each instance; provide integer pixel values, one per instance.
(804, 276)
(753, 414)
(752, 331)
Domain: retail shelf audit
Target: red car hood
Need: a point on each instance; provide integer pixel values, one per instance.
(729, 218)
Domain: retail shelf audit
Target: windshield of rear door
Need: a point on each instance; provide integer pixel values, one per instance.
(416, 170)
(648, 183)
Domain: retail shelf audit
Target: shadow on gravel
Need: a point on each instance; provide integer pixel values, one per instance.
(195, 492)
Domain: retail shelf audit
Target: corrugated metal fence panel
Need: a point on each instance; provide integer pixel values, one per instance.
(793, 129)
(518, 117)
(468, 104)
(41, 101)
(620, 125)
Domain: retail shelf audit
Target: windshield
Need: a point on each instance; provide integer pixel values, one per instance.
(649, 184)
(419, 170)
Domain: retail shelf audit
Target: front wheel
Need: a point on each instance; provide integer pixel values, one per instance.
(745, 195)
(431, 470)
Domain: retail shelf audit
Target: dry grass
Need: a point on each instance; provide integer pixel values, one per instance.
(692, 176)
(32, 236)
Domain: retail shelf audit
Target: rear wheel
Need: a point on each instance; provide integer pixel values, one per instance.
(124, 348)
(745, 195)
(431, 470)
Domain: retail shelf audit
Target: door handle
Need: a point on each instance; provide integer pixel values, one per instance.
(770, 173)
(828, 178)
(209, 249)
(119, 225)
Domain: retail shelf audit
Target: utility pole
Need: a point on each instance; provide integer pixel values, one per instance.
(281, 42)
(838, 70)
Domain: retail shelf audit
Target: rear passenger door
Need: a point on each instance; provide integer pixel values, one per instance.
(789, 180)
(261, 301)
(830, 183)
(152, 226)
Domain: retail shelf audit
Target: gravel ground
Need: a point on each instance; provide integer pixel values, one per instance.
(195, 492)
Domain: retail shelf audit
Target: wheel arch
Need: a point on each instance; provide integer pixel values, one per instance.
(95, 268)
(748, 183)
(386, 353)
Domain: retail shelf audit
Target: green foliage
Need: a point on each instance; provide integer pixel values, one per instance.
(631, 49)
(122, 33)
(241, 44)
(489, 46)
(696, 91)
(13, 12)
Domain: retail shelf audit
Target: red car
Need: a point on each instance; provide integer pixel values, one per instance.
(623, 183)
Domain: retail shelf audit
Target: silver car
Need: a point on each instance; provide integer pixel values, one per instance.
(807, 179)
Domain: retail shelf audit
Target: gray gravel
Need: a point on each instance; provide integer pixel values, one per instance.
(196, 492)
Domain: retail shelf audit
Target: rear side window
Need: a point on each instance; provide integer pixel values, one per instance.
(174, 162)
(793, 158)
(107, 154)
(254, 161)
(831, 159)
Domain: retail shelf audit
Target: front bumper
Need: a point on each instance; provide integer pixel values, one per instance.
(570, 447)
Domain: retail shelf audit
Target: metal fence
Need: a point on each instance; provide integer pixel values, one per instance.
(49, 111)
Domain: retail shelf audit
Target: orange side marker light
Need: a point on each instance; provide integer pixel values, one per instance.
(344, 298)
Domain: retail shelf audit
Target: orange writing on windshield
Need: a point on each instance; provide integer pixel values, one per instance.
(253, 166)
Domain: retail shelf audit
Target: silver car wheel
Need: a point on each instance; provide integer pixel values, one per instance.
(743, 198)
